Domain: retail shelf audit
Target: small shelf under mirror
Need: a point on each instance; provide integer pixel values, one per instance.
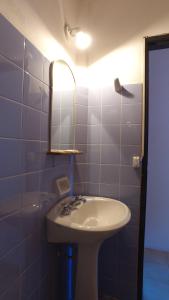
(57, 152)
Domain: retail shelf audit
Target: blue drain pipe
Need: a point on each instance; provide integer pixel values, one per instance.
(69, 283)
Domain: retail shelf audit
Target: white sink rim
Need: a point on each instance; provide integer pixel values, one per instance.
(67, 223)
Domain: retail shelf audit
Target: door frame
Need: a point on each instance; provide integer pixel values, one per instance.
(151, 43)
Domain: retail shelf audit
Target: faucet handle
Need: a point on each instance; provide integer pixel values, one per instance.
(77, 200)
(75, 203)
(82, 199)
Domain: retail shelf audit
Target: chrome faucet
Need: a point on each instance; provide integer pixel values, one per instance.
(69, 207)
(77, 200)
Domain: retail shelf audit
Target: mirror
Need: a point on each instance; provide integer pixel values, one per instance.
(62, 109)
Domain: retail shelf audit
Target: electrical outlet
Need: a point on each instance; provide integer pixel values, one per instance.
(136, 162)
(63, 185)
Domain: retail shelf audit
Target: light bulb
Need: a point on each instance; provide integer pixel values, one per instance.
(82, 40)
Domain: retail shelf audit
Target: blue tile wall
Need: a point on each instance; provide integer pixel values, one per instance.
(12, 42)
(81, 109)
(31, 124)
(27, 174)
(33, 61)
(111, 137)
(11, 80)
(32, 95)
(10, 111)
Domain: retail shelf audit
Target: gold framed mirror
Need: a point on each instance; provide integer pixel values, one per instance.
(62, 119)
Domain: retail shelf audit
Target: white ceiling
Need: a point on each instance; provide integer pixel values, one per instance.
(113, 23)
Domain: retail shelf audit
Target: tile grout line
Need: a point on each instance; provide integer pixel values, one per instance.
(100, 146)
(16, 102)
(23, 80)
(121, 99)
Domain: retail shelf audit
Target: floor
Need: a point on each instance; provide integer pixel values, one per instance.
(156, 275)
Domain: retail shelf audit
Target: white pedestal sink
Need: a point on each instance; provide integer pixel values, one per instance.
(88, 226)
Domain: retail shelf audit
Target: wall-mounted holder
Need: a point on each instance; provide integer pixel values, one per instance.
(120, 89)
(117, 86)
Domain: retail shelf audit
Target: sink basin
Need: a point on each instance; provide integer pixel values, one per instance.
(97, 219)
(88, 225)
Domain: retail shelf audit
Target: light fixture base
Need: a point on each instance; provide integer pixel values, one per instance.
(82, 40)
(70, 32)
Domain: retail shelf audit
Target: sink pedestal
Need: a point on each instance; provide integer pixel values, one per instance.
(87, 276)
(88, 226)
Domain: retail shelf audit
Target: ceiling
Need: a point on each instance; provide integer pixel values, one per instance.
(114, 23)
(111, 23)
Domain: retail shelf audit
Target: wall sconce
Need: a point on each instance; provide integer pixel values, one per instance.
(81, 39)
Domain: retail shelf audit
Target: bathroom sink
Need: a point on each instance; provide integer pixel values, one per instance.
(96, 219)
(87, 222)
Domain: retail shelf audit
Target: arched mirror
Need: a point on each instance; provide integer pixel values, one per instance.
(62, 109)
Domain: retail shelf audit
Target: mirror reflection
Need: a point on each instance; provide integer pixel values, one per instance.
(62, 114)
